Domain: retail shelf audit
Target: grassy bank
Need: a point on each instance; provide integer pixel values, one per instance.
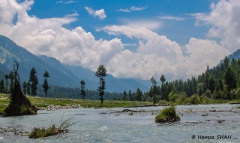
(44, 102)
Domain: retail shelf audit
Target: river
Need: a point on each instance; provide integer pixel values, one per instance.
(107, 126)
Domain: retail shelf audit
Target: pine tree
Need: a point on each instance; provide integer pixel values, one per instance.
(154, 90)
(83, 89)
(211, 83)
(130, 95)
(230, 79)
(163, 79)
(28, 88)
(34, 81)
(6, 78)
(139, 94)
(2, 86)
(125, 96)
(101, 73)
(25, 87)
(45, 83)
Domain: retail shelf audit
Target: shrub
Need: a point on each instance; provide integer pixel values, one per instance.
(194, 99)
(163, 103)
(52, 130)
(167, 115)
(182, 98)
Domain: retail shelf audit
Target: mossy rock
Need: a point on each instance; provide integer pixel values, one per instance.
(18, 110)
(167, 115)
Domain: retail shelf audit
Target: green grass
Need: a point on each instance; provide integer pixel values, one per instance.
(4, 101)
(44, 102)
(52, 130)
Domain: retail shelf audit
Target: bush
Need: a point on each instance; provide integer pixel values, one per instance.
(42, 132)
(52, 130)
(182, 98)
(205, 100)
(194, 99)
(149, 99)
(163, 103)
(167, 115)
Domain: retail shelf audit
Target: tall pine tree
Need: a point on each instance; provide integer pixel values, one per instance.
(33, 81)
(101, 73)
(45, 83)
(83, 89)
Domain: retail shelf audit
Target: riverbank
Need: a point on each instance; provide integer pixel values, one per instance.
(60, 103)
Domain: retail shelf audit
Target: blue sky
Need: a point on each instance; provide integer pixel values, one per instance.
(179, 27)
(132, 38)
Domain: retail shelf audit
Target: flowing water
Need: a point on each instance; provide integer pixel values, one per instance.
(107, 126)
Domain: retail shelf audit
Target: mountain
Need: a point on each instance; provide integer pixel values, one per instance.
(60, 75)
(10, 52)
(3, 71)
(112, 84)
(235, 55)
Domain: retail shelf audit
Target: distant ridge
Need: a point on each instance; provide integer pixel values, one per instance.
(60, 75)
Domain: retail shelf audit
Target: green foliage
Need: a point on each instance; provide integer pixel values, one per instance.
(125, 97)
(182, 98)
(83, 89)
(194, 99)
(52, 130)
(2, 88)
(220, 82)
(46, 74)
(167, 115)
(33, 79)
(101, 73)
(172, 96)
(45, 83)
(206, 100)
(163, 103)
(153, 90)
(45, 87)
(230, 78)
(68, 92)
(237, 93)
(25, 87)
(162, 79)
(138, 95)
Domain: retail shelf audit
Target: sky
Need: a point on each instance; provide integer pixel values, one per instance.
(131, 38)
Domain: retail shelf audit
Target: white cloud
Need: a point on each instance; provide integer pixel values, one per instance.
(97, 13)
(132, 8)
(224, 21)
(142, 23)
(73, 14)
(202, 53)
(171, 18)
(155, 54)
(65, 2)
